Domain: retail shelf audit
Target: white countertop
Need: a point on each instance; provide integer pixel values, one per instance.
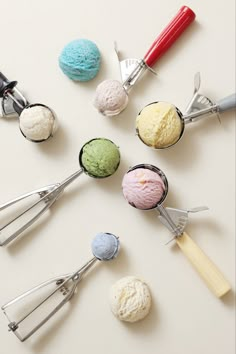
(185, 318)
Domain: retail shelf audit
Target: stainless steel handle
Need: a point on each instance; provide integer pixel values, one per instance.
(25, 210)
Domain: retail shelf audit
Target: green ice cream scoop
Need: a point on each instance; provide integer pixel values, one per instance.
(100, 157)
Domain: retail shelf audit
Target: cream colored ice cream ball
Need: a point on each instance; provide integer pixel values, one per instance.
(130, 299)
(159, 125)
(37, 122)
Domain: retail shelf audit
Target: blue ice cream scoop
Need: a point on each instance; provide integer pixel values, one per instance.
(80, 60)
(105, 246)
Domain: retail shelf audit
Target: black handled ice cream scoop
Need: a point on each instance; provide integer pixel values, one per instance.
(111, 96)
(145, 187)
(31, 310)
(37, 121)
(161, 124)
(98, 158)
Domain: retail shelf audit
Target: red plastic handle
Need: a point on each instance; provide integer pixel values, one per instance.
(169, 35)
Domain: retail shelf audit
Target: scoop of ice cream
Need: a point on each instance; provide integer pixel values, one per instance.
(100, 157)
(80, 60)
(143, 188)
(159, 125)
(130, 299)
(105, 246)
(110, 98)
(37, 122)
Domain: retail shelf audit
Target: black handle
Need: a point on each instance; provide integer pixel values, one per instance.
(5, 84)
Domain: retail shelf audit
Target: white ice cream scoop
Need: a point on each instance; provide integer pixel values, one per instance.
(111, 96)
(37, 122)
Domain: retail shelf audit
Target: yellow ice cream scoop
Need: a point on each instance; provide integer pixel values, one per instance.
(160, 125)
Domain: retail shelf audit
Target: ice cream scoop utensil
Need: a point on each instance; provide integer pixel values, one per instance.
(161, 125)
(32, 205)
(14, 103)
(31, 310)
(176, 221)
(132, 69)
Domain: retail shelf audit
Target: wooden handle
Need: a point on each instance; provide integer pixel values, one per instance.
(206, 269)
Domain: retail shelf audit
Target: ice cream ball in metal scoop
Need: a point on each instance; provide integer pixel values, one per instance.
(99, 158)
(160, 125)
(145, 186)
(37, 122)
(105, 246)
(110, 98)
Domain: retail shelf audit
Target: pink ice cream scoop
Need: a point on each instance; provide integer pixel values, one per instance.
(143, 188)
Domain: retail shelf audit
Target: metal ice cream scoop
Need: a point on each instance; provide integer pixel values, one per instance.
(32, 205)
(31, 310)
(109, 98)
(176, 221)
(15, 105)
(199, 107)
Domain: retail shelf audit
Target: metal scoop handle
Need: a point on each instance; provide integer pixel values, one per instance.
(169, 35)
(15, 226)
(46, 196)
(58, 291)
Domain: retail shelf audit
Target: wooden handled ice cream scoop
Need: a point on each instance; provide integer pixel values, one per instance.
(160, 124)
(37, 122)
(31, 310)
(111, 96)
(145, 187)
(98, 158)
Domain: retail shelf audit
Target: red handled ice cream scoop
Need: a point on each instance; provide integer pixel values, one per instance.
(161, 124)
(111, 96)
(145, 187)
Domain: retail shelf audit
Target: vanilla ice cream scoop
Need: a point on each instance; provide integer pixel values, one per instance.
(159, 125)
(37, 122)
(130, 299)
(110, 98)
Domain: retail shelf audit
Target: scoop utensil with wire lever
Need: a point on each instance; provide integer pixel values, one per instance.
(31, 310)
(98, 158)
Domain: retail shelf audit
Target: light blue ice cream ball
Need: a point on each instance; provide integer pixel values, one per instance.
(80, 60)
(105, 246)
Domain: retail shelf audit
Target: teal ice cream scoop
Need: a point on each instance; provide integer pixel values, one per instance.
(80, 60)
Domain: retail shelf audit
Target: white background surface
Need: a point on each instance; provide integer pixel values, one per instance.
(185, 317)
